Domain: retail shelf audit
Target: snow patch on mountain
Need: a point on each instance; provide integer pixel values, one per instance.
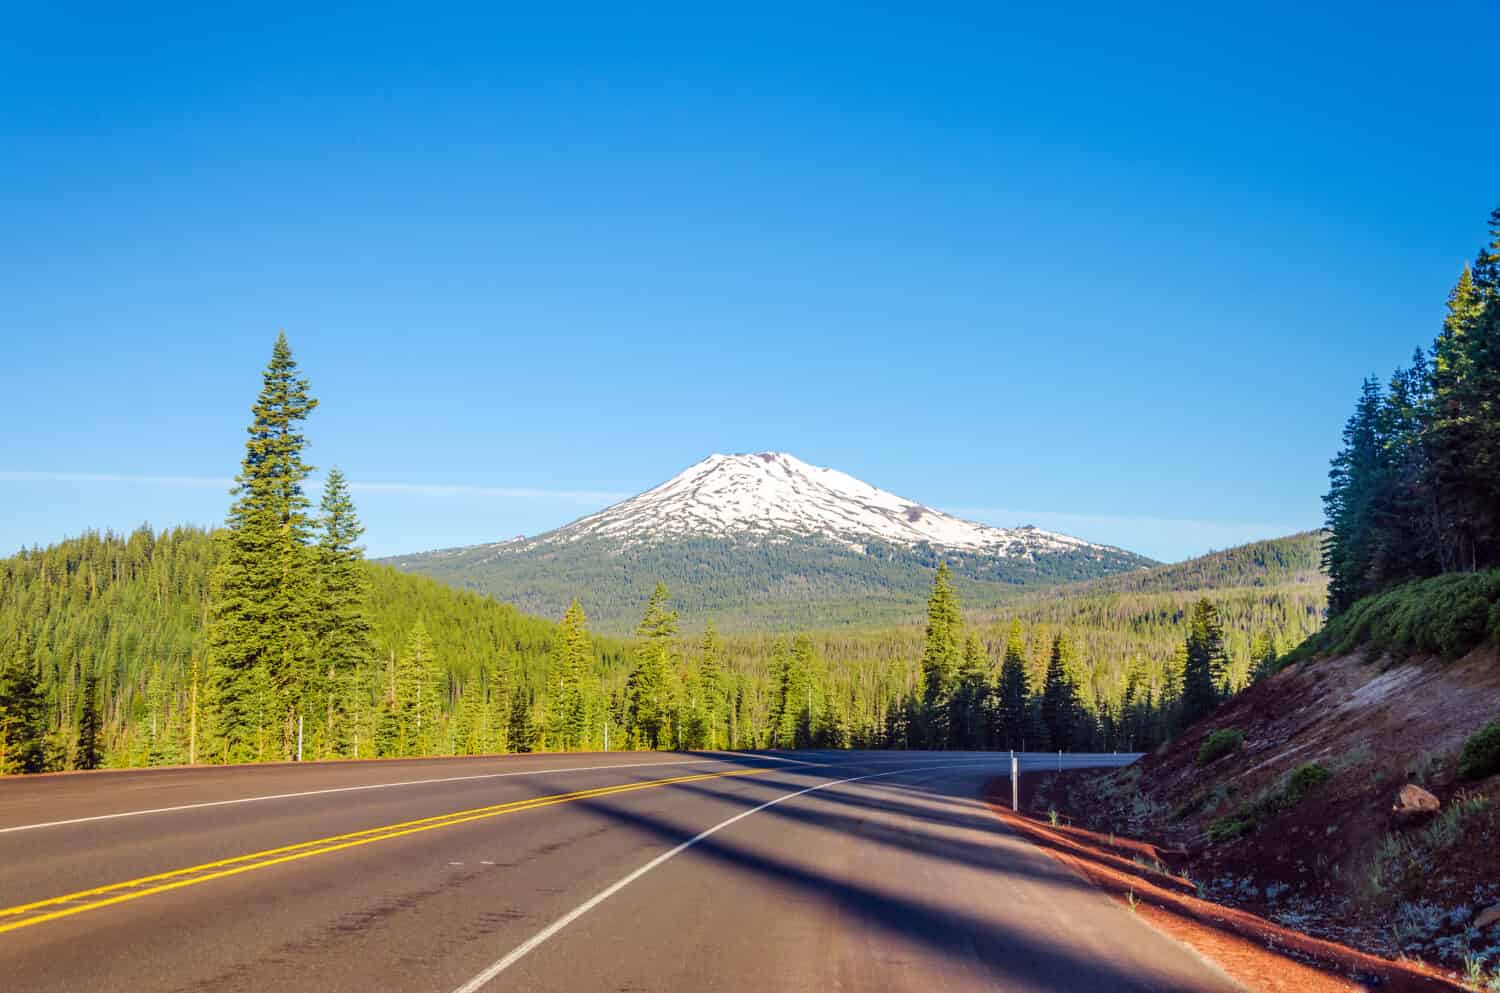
(772, 496)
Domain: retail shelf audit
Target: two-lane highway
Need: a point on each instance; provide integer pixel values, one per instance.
(665, 872)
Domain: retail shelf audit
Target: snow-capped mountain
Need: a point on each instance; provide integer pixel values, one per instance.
(777, 496)
(763, 540)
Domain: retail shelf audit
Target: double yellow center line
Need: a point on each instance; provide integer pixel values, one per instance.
(27, 914)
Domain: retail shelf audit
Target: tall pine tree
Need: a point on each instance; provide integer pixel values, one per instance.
(941, 658)
(573, 676)
(261, 635)
(1014, 690)
(1355, 483)
(971, 702)
(1060, 707)
(1204, 664)
(342, 615)
(24, 743)
(89, 753)
(649, 688)
(715, 705)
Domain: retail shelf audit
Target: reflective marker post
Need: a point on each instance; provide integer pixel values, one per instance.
(1015, 782)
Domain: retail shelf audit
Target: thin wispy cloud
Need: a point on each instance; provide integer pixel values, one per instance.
(504, 492)
(29, 476)
(1166, 538)
(592, 497)
(1020, 517)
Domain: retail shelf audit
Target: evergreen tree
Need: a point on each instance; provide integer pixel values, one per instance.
(941, 657)
(1135, 708)
(89, 753)
(1014, 692)
(469, 736)
(1411, 517)
(715, 691)
(798, 690)
(342, 621)
(1356, 480)
(419, 680)
(1263, 656)
(971, 710)
(833, 728)
(1059, 702)
(649, 688)
(497, 719)
(1483, 398)
(574, 659)
(1204, 663)
(522, 733)
(263, 594)
(23, 714)
(782, 719)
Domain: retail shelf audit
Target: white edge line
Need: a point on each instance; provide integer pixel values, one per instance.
(351, 789)
(523, 949)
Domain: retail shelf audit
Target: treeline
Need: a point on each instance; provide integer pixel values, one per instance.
(749, 584)
(1294, 560)
(1269, 590)
(272, 637)
(115, 631)
(111, 635)
(1415, 490)
(964, 702)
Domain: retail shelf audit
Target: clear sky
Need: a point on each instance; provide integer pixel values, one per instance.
(1112, 269)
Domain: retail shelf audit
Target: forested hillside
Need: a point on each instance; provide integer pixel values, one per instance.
(1269, 594)
(130, 613)
(1295, 560)
(1413, 506)
(746, 584)
(1124, 637)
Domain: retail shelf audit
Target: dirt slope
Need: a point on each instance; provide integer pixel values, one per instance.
(1296, 824)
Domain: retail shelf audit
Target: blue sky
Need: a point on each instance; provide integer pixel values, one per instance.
(1116, 270)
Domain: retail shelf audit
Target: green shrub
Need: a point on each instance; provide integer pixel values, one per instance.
(1445, 615)
(1228, 829)
(1303, 780)
(1271, 801)
(1220, 744)
(1481, 754)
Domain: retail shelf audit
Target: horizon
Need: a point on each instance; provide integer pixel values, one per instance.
(366, 488)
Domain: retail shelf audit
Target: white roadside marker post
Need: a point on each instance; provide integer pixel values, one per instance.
(299, 737)
(1015, 782)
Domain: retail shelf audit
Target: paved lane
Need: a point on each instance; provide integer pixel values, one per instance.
(898, 880)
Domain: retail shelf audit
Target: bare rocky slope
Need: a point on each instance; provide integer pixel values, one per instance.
(1297, 822)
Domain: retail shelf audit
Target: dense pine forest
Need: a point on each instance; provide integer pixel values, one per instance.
(272, 638)
(1413, 507)
(749, 585)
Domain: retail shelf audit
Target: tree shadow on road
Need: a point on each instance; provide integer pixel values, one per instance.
(1013, 952)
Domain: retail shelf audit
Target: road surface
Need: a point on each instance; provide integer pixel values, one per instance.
(676, 873)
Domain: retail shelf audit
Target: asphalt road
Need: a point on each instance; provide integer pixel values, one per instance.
(679, 873)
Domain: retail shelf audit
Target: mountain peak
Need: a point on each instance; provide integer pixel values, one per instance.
(774, 496)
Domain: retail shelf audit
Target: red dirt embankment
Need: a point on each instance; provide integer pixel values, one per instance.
(1263, 955)
(1289, 841)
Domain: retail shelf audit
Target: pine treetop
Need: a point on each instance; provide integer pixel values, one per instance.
(660, 620)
